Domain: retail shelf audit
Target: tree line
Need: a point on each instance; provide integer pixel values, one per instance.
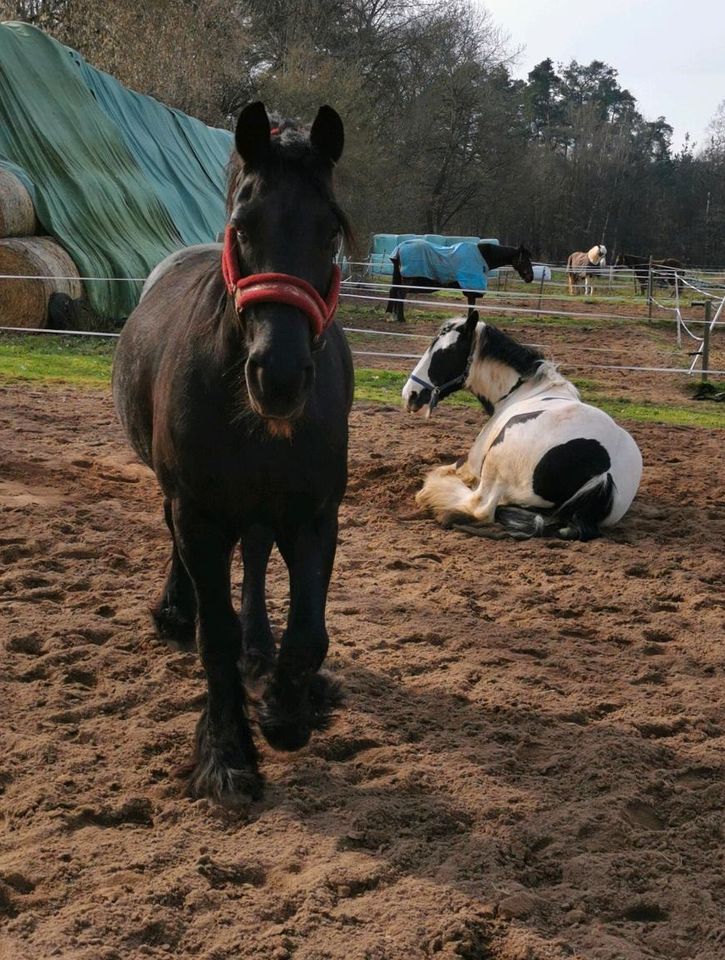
(441, 138)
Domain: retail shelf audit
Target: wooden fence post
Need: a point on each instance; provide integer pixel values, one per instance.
(706, 341)
(649, 291)
(541, 285)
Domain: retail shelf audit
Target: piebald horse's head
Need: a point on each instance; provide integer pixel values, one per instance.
(472, 354)
(444, 366)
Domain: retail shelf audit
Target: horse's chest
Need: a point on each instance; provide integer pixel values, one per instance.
(245, 472)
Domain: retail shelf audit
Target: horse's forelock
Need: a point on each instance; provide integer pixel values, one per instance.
(291, 146)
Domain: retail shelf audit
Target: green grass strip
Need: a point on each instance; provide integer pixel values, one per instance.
(87, 363)
(54, 359)
(384, 386)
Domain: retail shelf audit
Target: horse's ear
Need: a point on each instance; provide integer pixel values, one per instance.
(327, 134)
(252, 134)
(471, 320)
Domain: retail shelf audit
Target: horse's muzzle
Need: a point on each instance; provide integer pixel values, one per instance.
(416, 401)
(278, 391)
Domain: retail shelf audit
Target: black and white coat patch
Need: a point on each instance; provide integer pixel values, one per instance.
(544, 462)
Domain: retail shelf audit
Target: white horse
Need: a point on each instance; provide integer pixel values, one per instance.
(544, 464)
(584, 266)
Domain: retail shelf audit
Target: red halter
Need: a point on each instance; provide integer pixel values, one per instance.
(278, 288)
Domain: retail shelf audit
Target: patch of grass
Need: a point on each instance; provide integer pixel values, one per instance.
(384, 386)
(87, 363)
(53, 359)
(350, 312)
(643, 412)
(704, 389)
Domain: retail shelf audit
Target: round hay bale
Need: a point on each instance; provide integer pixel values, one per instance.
(24, 303)
(17, 213)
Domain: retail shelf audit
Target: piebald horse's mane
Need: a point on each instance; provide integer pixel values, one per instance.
(494, 344)
(528, 362)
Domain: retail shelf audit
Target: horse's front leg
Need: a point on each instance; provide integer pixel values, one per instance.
(225, 762)
(257, 642)
(299, 699)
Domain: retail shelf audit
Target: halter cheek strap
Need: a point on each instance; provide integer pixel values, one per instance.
(278, 288)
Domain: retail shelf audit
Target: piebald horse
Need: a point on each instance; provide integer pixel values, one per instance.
(584, 266)
(544, 464)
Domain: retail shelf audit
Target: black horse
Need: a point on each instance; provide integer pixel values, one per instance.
(224, 389)
(663, 271)
(494, 256)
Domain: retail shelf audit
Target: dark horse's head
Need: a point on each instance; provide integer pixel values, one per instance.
(284, 229)
(522, 264)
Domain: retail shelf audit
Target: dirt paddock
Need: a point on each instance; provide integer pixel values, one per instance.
(528, 764)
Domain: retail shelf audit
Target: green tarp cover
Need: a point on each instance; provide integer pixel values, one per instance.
(182, 158)
(117, 178)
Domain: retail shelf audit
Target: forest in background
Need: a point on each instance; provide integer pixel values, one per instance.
(441, 138)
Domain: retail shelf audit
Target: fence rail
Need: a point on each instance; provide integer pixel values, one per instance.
(376, 290)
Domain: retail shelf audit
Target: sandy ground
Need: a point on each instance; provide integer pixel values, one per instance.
(528, 765)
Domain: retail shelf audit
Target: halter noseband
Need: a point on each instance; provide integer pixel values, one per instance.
(278, 288)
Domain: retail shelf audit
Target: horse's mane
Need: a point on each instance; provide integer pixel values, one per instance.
(291, 151)
(549, 371)
(494, 344)
(596, 253)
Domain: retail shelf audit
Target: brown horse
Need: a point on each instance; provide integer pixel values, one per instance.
(584, 265)
(224, 390)
(663, 271)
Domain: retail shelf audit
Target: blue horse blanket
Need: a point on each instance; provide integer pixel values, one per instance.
(461, 263)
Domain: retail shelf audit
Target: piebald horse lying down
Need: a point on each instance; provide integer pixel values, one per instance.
(544, 464)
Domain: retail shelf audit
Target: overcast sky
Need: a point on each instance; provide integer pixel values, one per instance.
(670, 54)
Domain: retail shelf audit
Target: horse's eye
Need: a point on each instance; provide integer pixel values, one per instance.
(242, 236)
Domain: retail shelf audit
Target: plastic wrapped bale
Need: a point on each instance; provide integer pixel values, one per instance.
(17, 213)
(24, 303)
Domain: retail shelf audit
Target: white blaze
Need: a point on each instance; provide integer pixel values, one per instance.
(411, 388)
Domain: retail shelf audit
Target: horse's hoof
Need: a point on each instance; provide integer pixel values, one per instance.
(225, 771)
(216, 777)
(289, 712)
(450, 518)
(173, 628)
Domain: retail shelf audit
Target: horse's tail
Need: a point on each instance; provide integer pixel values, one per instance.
(576, 519)
(445, 494)
(570, 263)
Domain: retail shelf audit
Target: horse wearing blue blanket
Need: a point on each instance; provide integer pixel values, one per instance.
(465, 265)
